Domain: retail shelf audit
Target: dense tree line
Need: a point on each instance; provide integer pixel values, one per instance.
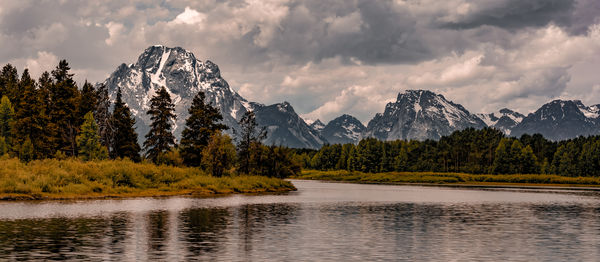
(54, 118)
(469, 151)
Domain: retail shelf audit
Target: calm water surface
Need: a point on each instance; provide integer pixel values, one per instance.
(319, 222)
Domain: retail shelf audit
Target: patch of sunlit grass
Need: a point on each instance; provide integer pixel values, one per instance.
(72, 178)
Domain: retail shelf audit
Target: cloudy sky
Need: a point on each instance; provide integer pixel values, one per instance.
(331, 57)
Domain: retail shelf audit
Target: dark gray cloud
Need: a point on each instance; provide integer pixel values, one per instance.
(516, 14)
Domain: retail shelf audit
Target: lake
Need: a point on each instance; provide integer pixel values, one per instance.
(319, 222)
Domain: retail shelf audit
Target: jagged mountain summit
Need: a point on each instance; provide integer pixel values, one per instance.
(503, 120)
(420, 114)
(317, 125)
(561, 119)
(343, 130)
(285, 127)
(183, 76)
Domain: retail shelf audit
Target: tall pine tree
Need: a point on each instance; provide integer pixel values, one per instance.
(103, 117)
(47, 141)
(30, 119)
(64, 111)
(7, 116)
(8, 82)
(87, 101)
(250, 142)
(202, 123)
(124, 138)
(160, 138)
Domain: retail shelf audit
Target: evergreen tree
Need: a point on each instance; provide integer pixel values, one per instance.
(201, 125)
(46, 141)
(9, 80)
(88, 100)
(219, 155)
(503, 161)
(7, 115)
(401, 160)
(528, 161)
(565, 160)
(88, 140)
(589, 159)
(3, 146)
(26, 151)
(64, 108)
(515, 157)
(160, 138)
(103, 117)
(279, 162)
(250, 141)
(124, 138)
(29, 120)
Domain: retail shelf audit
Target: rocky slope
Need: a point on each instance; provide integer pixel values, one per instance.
(561, 119)
(504, 120)
(183, 75)
(420, 114)
(343, 130)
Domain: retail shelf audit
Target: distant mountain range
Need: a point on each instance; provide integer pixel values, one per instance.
(416, 114)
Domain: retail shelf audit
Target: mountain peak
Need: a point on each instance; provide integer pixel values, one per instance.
(343, 129)
(560, 119)
(421, 114)
(317, 125)
(183, 76)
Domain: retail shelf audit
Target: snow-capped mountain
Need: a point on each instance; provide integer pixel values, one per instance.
(285, 127)
(420, 114)
(343, 130)
(503, 120)
(317, 125)
(183, 76)
(561, 119)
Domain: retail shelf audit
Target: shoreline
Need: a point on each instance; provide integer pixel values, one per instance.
(143, 194)
(456, 180)
(468, 185)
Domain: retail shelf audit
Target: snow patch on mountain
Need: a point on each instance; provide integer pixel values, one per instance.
(503, 120)
(420, 114)
(343, 130)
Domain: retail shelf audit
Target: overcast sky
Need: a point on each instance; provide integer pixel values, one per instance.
(331, 57)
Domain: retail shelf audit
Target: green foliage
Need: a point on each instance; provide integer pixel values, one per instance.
(88, 100)
(88, 140)
(200, 126)
(104, 118)
(278, 162)
(3, 146)
(160, 138)
(122, 133)
(31, 119)
(467, 151)
(26, 151)
(219, 155)
(250, 145)
(9, 82)
(170, 158)
(64, 97)
(7, 114)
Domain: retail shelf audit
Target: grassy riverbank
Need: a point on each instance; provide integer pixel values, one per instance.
(448, 178)
(74, 179)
